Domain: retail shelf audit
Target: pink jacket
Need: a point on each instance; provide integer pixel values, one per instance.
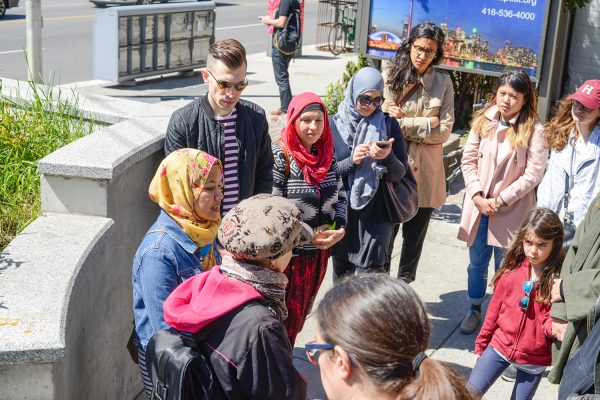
(513, 178)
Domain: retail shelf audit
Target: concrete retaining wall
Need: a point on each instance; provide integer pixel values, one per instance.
(65, 281)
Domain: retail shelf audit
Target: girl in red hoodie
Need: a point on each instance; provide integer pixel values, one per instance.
(518, 328)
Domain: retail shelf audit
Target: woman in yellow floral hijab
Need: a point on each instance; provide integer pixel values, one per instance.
(188, 187)
(177, 187)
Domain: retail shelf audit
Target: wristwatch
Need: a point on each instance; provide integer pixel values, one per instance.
(499, 202)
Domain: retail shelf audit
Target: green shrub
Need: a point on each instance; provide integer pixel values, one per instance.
(30, 130)
(335, 91)
(575, 4)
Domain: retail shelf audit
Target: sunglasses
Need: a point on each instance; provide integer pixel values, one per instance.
(578, 106)
(228, 85)
(313, 350)
(429, 53)
(366, 101)
(527, 288)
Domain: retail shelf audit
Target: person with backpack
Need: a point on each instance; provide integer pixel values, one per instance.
(188, 187)
(235, 311)
(286, 39)
(306, 172)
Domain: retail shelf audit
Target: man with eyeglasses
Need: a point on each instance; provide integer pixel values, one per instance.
(234, 130)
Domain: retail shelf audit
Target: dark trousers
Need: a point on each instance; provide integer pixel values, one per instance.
(281, 63)
(413, 236)
(490, 366)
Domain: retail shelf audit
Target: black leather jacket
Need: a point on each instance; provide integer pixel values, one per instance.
(194, 126)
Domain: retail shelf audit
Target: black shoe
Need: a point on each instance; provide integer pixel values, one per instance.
(510, 374)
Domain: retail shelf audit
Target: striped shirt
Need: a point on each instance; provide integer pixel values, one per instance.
(318, 207)
(230, 161)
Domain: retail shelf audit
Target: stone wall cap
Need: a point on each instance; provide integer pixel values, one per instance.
(37, 272)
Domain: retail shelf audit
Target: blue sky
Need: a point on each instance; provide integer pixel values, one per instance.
(390, 14)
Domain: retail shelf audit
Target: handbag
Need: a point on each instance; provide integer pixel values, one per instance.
(400, 198)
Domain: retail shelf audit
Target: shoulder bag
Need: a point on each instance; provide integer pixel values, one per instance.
(400, 198)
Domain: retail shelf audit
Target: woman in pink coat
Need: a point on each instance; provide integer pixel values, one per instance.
(503, 161)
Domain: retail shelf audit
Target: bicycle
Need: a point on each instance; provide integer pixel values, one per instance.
(342, 32)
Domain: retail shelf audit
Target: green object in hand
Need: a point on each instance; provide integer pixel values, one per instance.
(331, 227)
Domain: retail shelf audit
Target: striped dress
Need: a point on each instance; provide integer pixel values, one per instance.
(230, 162)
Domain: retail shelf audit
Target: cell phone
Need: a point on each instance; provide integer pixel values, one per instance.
(382, 143)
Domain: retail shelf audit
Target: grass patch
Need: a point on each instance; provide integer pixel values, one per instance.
(30, 130)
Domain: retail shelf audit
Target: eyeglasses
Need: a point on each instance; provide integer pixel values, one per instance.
(429, 53)
(313, 349)
(228, 85)
(366, 101)
(578, 106)
(527, 288)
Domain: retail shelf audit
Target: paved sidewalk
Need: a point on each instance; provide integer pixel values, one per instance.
(441, 279)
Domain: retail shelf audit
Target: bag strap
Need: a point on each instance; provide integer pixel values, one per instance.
(566, 197)
(286, 153)
(409, 94)
(567, 187)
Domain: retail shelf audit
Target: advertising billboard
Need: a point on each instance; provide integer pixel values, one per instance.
(488, 36)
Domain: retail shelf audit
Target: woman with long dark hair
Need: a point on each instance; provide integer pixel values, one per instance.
(367, 347)
(503, 161)
(421, 98)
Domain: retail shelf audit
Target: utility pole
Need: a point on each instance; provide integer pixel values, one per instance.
(33, 23)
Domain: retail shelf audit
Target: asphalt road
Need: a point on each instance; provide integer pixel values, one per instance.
(67, 35)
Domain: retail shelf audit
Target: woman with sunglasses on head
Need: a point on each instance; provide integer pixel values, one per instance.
(574, 137)
(422, 99)
(306, 172)
(503, 161)
(518, 329)
(369, 149)
(188, 187)
(367, 347)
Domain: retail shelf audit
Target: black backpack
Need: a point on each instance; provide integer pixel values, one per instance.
(287, 39)
(180, 370)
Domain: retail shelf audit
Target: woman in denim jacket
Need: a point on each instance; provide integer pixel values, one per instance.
(188, 187)
(574, 137)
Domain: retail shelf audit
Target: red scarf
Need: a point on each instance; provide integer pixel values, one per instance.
(313, 166)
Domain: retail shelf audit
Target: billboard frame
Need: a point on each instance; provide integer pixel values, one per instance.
(362, 30)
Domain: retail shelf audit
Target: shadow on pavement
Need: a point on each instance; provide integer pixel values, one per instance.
(445, 317)
(448, 212)
(312, 374)
(461, 369)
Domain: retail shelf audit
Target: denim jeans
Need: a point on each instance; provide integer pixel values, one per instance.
(480, 254)
(281, 63)
(490, 366)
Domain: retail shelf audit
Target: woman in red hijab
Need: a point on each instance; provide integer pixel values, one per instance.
(306, 172)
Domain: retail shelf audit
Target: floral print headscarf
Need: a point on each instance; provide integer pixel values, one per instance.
(177, 184)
